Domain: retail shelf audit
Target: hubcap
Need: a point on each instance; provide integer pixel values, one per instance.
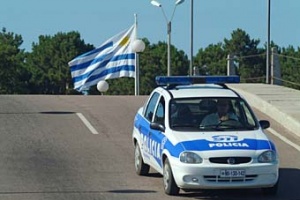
(166, 177)
(137, 158)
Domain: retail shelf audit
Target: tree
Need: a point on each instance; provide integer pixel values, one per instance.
(48, 62)
(290, 67)
(13, 74)
(211, 60)
(153, 62)
(45, 70)
(250, 59)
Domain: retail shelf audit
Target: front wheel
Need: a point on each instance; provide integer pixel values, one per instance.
(140, 167)
(170, 185)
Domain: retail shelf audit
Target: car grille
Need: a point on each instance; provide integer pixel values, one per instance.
(219, 179)
(230, 160)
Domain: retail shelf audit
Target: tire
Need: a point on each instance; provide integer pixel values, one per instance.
(140, 167)
(271, 191)
(170, 185)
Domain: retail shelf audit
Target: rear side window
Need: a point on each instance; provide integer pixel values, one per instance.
(160, 112)
(151, 106)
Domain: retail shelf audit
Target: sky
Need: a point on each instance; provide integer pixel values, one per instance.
(98, 20)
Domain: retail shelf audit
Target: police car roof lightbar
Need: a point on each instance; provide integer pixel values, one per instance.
(188, 80)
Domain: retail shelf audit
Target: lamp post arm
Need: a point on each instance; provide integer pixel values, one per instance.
(172, 16)
(164, 13)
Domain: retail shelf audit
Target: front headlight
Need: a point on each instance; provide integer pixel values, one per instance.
(267, 157)
(190, 157)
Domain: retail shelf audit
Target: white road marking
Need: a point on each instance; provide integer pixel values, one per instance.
(284, 139)
(87, 123)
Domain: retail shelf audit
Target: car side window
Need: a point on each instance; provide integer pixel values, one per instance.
(160, 112)
(151, 106)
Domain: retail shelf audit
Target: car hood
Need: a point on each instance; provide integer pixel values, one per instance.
(212, 141)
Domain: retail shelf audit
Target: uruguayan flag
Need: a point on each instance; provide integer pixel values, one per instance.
(113, 59)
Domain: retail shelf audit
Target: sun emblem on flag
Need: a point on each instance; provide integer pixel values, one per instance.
(124, 41)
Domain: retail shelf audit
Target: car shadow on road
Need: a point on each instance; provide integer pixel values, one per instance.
(289, 189)
(131, 191)
(154, 175)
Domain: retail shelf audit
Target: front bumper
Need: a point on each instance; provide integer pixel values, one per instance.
(208, 176)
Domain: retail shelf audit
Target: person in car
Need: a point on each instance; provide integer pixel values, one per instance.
(222, 114)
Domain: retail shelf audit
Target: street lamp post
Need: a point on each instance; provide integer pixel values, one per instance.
(268, 45)
(192, 37)
(169, 47)
(169, 28)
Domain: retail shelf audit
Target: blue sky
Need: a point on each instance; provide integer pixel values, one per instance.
(98, 20)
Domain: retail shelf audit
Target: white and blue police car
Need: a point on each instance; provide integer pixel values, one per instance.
(180, 133)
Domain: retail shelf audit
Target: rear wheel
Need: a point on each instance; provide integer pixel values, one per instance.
(140, 167)
(170, 185)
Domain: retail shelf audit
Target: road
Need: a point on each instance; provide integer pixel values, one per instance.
(79, 147)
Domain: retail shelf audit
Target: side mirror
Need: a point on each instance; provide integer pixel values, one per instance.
(157, 126)
(264, 124)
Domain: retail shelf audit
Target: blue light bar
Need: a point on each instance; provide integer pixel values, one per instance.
(188, 80)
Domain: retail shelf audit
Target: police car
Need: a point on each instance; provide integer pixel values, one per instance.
(180, 134)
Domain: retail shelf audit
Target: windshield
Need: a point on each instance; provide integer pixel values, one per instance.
(211, 114)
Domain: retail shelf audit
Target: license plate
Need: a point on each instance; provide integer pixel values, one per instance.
(232, 173)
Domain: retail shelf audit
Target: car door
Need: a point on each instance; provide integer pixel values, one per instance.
(144, 127)
(157, 136)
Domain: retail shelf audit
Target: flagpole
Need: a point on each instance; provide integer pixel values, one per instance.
(137, 67)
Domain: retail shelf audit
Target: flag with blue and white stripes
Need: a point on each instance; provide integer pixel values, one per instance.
(113, 59)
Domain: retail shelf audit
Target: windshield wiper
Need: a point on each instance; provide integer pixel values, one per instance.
(183, 125)
(250, 127)
(211, 127)
(223, 127)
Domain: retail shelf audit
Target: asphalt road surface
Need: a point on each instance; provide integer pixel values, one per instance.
(79, 148)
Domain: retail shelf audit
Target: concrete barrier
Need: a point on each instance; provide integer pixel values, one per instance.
(280, 103)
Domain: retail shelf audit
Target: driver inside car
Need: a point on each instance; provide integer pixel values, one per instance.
(222, 114)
